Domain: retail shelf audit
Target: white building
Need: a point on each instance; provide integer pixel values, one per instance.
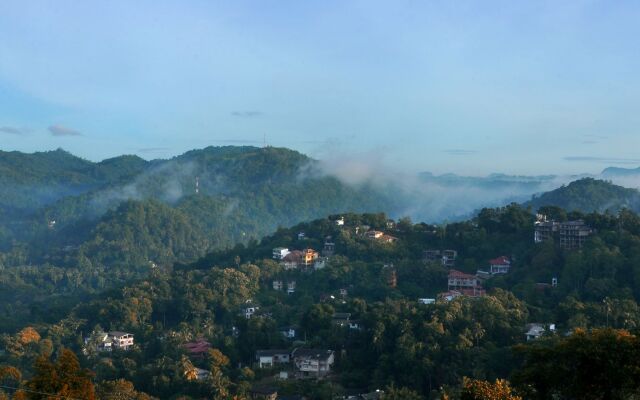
(535, 330)
(248, 311)
(269, 358)
(280, 252)
(500, 265)
(313, 362)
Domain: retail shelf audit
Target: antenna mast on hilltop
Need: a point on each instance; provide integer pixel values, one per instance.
(197, 184)
(264, 140)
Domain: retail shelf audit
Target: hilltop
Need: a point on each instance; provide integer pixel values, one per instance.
(587, 195)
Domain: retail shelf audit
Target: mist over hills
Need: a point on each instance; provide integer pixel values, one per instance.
(57, 207)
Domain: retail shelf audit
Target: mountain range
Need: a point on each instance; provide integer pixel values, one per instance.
(128, 212)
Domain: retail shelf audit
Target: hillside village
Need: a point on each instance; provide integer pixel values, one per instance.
(302, 309)
(298, 362)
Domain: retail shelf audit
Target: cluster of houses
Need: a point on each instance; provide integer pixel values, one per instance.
(308, 257)
(108, 341)
(570, 235)
(462, 284)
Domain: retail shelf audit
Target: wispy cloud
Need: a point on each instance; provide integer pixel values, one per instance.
(12, 130)
(460, 152)
(603, 160)
(247, 114)
(60, 130)
(589, 141)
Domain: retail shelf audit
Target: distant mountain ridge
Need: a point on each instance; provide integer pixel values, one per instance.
(612, 172)
(588, 195)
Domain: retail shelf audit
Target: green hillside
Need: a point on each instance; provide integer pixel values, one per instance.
(589, 195)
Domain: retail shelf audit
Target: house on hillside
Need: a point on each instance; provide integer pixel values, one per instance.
(278, 285)
(313, 362)
(292, 260)
(570, 235)
(341, 319)
(320, 263)
(269, 358)
(446, 258)
(309, 256)
(121, 340)
(198, 348)
(280, 252)
(340, 221)
(289, 332)
(468, 285)
(573, 234)
(329, 247)
(249, 310)
(449, 295)
(500, 265)
(373, 234)
(291, 287)
(536, 330)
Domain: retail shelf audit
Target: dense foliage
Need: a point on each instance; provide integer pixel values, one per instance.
(447, 349)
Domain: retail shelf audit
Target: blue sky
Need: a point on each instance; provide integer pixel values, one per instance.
(445, 86)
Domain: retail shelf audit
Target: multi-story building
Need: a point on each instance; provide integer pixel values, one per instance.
(121, 340)
(545, 230)
(313, 362)
(468, 285)
(573, 234)
(570, 235)
(309, 256)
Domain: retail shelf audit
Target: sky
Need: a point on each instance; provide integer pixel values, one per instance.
(469, 87)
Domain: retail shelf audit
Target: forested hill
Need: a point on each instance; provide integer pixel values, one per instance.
(61, 209)
(373, 301)
(587, 195)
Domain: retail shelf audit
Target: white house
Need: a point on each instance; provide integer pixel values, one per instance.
(277, 285)
(289, 332)
(313, 362)
(280, 252)
(248, 311)
(340, 221)
(426, 301)
(536, 330)
(121, 340)
(320, 263)
(269, 358)
(291, 287)
(499, 265)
